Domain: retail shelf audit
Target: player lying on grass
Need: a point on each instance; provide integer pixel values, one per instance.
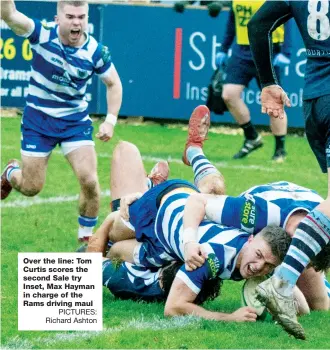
(282, 204)
(232, 253)
(129, 281)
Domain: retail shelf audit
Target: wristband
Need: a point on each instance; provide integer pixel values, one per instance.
(189, 235)
(111, 119)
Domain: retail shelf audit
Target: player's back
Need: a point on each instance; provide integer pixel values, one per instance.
(313, 20)
(275, 202)
(224, 242)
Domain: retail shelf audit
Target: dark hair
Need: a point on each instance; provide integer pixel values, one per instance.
(62, 3)
(321, 262)
(210, 290)
(278, 240)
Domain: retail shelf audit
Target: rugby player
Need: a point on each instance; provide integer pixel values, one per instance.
(65, 57)
(311, 239)
(229, 250)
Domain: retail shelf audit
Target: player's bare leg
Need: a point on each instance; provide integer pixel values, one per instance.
(29, 178)
(279, 129)
(84, 164)
(127, 171)
(232, 95)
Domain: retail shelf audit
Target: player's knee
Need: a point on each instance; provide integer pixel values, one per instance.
(115, 252)
(31, 189)
(89, 183)
(122, 149)
(229, 97)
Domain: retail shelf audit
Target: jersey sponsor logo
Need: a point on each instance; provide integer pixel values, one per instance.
(248, 214)
(105, 54)
(213, 265)
(64, 79)
(56, 60)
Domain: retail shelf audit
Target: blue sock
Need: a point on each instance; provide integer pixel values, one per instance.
(200, 164)
(86, 225)
(311, 236)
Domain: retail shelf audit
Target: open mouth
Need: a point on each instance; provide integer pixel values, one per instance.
(75, 33)
(251, 270)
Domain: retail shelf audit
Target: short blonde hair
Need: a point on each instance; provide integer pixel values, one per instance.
(62, 3)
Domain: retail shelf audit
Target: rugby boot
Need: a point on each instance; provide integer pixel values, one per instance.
(279, 155)
(248, 147)
(159, 173)
(281, 307)
(6, 186)
(198, 128)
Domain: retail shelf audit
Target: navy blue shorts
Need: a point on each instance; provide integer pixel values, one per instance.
(132, 282)
(35, 144)
(143, 214)
(317, 126)
(241, 71)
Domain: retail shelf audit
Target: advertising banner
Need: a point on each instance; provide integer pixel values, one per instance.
(165, 60)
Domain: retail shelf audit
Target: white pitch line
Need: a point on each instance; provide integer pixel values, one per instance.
(28, 202)
(154, 324)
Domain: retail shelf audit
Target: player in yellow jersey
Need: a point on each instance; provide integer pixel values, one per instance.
(241, 70)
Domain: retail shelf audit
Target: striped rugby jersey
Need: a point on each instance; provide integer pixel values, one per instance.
(130, 278)
(60, 74)
(260, 206)
(221, 243)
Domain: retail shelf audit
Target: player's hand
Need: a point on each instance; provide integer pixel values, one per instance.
(244, 314)
(125, 202)
(281, 60)
(193, 255)
(221, 59)
(273, 101)
(105, 132)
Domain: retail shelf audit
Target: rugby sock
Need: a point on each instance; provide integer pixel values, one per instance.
(149, 183)
(311, 236)
(250, 131)
(279, 142)
(86, 225)
(327, 286)
(11, 171)
(200, 164)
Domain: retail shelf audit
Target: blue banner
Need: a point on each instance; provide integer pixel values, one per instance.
(165, 60)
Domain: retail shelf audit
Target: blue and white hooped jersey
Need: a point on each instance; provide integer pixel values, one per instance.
(269, 204)
(221, 243)
(129, 280)
(60, 74)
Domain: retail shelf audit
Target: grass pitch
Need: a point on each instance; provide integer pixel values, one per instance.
(48, 223)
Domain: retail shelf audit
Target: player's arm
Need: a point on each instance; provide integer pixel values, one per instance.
(98, 242)
(17, 21)
(271, 15)
(114, 95)
(114, 91)
(197, 207)
(180, 301)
